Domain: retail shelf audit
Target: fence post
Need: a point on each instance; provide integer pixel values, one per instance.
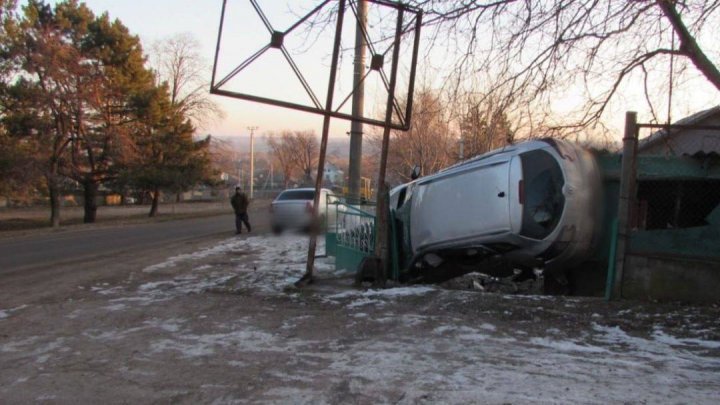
(628, 179)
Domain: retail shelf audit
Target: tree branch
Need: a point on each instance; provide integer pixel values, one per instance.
(688, 45)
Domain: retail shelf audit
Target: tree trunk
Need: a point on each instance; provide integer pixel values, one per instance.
(54, 192)
(90, 188)
(155, 201)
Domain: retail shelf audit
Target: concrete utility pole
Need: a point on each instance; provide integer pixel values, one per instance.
(356, 127)
(241, 175)
(252, 160)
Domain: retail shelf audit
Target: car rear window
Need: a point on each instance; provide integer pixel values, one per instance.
(296, 195)
(544, 200)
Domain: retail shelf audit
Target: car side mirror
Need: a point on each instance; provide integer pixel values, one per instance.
(415, 172)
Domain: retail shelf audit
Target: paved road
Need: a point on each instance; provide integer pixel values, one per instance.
(41, 250)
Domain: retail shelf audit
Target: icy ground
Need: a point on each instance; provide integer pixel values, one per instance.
(221, 326)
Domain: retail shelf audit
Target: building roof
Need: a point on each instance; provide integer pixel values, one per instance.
(664, 135)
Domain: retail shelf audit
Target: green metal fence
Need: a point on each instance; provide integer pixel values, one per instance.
(350, 234)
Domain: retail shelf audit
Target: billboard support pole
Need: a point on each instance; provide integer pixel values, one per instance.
(381, 239)
(307, 278)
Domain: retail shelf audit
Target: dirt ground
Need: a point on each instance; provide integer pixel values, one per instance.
(215, 322)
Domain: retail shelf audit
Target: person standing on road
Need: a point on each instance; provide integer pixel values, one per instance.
(240, 203)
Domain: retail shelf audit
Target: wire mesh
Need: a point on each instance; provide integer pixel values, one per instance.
(675, 190)
(676, 203)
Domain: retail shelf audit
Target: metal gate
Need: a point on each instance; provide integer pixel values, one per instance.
(351, 236)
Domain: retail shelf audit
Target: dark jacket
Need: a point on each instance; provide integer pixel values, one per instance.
(240, 203)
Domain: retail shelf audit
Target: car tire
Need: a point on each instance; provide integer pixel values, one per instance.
(277, 230)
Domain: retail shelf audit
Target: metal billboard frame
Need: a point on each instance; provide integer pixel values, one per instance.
(276, 41)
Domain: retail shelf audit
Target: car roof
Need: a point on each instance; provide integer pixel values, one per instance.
(504, 151)
(494, 155)
(304, 189)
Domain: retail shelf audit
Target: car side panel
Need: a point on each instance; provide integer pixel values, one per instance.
(461, 205)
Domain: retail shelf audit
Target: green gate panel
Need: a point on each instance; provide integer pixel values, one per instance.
(348, 259)
(331, 243)
(351, 237)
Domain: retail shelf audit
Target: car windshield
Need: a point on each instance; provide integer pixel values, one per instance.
(544, 200)
(296, 195)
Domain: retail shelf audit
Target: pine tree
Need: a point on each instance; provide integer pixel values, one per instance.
(167, 158)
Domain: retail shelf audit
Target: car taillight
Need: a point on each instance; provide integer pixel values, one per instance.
(521, 192)
(309, 207)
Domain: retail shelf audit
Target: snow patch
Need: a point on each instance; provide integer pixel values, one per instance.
(21, 380)
(280, 262)
(18, 345)
(390, 292)
(172, 325)
(30, 348)
(115, 307)
(224, 247)
(660, 348)
(190, 345)
(662, 337)
(103, 290)
(111, 335)
(377, 297)
(565, 345)
(5, 313)
(364, 301)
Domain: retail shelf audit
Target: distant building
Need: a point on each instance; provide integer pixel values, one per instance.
(686, 142)
(332, 174)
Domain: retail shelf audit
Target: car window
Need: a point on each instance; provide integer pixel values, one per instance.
(544, 200)
(296, 195)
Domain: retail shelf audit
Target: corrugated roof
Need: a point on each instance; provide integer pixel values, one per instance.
(693, 119)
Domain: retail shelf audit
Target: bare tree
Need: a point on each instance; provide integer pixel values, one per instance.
(177, 61)
(282, 153)
(222, 156)
(483, 127)
(428, 143)
(306, 149)
(296, 153)
(527, 51)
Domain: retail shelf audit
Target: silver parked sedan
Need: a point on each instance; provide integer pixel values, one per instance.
(292, 208)
(536, 203)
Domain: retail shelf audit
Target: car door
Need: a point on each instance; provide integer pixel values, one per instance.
(460, 206)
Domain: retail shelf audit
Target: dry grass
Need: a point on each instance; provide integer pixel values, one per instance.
(21, 219)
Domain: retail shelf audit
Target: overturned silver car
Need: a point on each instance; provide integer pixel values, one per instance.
(533, 205)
